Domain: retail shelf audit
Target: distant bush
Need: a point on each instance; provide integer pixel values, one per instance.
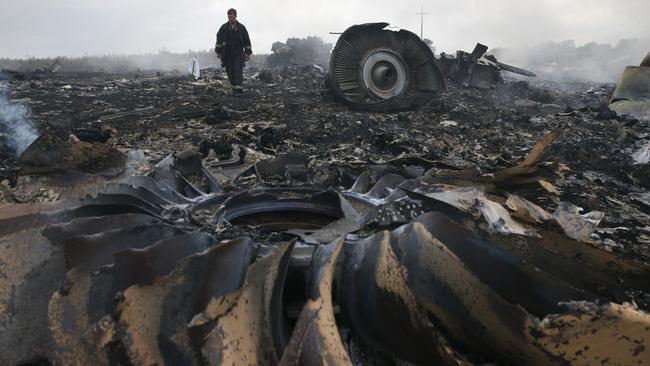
(300, 51)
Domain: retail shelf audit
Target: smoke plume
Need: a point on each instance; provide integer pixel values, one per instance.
(566, 61)
(16, 129)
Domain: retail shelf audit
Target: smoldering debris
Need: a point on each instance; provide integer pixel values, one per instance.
(286, 228)
(17, 130)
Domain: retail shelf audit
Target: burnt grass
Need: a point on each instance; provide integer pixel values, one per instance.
(292, 110)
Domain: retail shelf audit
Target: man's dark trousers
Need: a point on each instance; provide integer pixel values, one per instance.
(235, 68)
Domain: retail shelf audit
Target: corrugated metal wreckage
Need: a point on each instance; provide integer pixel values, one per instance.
(404, 262)
(272, 260)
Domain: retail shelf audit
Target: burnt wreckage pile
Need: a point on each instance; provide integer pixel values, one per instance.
(271, 244)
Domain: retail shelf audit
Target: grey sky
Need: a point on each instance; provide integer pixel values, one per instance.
(43, 28)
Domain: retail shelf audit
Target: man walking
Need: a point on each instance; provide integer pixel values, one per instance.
(233, 47)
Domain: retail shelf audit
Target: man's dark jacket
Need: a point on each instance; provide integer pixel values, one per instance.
(231, 42)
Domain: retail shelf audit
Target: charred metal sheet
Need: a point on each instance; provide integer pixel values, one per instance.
(315, 339)
(153, 319)
(424, 270)
(376, 69)
(22, 217)
(248, 325)
(82, 318)
(31, 269)
(581, 264)
(95, 251)
(632, 93)
(371, 285)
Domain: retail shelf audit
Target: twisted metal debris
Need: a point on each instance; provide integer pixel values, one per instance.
(401, 265)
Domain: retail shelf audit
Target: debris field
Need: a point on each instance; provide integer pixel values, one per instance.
(159, 219)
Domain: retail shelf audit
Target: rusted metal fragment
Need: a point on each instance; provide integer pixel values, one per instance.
(589, 334)
(315, 339)
(249, 322)
(82, 318)
(153, 319)
(31, 269)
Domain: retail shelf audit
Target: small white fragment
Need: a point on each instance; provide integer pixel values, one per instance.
(448, 123)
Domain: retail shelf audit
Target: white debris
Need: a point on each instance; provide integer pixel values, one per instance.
(576, 225)
(448, 123)
(194, 68)
(642, 156)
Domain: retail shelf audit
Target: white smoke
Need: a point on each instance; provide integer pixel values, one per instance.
(16, 126)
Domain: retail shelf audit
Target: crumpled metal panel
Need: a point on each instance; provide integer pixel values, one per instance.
(88, 305)
(124, 277)
(315, 339)
(422, 270)
(247, 324)
(632, 93)
(31, 268)
(154, 318)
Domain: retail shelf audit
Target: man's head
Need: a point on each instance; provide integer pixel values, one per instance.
(232, 16)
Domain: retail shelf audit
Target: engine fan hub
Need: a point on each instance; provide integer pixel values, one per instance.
(384, 74)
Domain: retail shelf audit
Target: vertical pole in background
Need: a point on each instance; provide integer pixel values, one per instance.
(421, 14)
